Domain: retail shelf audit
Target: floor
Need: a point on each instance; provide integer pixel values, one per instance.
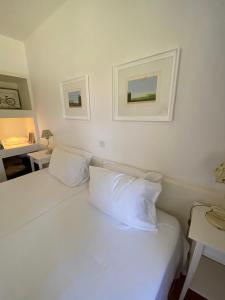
(16, 166)
(209, 278)
(176, 289)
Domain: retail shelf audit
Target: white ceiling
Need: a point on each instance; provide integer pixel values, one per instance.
(18, 18)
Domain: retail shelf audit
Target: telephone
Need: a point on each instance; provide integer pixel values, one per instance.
(216, 217)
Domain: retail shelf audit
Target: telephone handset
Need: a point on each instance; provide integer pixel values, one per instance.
(216, 217)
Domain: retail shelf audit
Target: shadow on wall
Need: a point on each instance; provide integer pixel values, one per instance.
(177, 198)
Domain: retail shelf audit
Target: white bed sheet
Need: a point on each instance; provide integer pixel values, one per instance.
(74, 252)
(27, 197)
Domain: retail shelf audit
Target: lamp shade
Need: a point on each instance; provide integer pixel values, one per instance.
(220, 173)
(46, 134)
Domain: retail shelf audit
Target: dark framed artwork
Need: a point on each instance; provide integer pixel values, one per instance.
(9, 98)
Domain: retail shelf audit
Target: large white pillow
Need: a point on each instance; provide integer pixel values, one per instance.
(70, 168)
(128, 199)
(152, 176)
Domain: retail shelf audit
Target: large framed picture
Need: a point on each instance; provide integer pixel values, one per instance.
(144, 89)
(75, 98)
(9, 98)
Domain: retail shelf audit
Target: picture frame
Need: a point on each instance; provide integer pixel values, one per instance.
(9, 98)
(75, 98)
(144, 89)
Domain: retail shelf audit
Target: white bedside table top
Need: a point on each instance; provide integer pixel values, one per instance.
(202, 231)
(39, 155)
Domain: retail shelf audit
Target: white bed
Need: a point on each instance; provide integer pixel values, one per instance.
(62, 248)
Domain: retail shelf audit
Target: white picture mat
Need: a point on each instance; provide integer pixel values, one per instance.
(165, 66)
(74, 84)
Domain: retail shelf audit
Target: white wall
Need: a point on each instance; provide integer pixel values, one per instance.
(89, 36)
(12, 56)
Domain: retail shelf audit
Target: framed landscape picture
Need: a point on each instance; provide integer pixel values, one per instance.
(75, 98)
(144, 89)
(9, 98)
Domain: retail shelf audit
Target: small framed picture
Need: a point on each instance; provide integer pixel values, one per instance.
(144, 89)
(75, 98)
(9, 99)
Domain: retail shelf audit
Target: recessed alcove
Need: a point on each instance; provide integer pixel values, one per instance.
(17, 129)
(20, 84)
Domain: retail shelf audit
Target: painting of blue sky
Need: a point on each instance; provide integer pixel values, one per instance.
(74, 98)
(142, 89)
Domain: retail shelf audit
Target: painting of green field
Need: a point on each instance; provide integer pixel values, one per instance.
(74, 98)
(142, 89)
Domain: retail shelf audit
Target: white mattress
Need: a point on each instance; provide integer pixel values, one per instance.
(71, 251)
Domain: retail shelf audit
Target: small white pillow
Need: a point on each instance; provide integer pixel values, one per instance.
(152, 176)
(70, 168)
(128, 199)
(87, 155)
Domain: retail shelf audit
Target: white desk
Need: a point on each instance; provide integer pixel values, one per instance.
(203, 235)
(15, 150)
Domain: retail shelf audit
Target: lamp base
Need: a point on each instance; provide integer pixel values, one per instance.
(49, 150)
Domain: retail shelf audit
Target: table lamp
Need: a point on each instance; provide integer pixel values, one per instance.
(1, 146)
(46, 134)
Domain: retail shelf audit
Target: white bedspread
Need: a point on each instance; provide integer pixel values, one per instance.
(74, 252)
(26, 198)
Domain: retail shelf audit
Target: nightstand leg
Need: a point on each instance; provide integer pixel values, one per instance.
(40, 166)
(192, 268)
(32, 164)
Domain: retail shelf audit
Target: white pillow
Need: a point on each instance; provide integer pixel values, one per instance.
(152, 176)
(128, 199)
(87, 155)
(70, 168)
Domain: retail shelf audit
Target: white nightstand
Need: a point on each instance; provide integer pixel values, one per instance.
(203, 235)
(40, 157)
